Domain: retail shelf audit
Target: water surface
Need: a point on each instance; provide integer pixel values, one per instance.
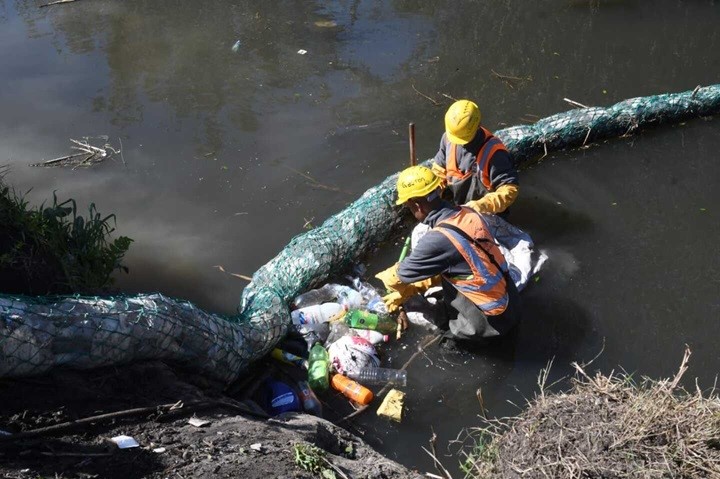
(228, 155)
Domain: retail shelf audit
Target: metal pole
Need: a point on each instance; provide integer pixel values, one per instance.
(411, 131)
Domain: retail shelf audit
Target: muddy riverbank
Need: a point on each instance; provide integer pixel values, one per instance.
(231, 444)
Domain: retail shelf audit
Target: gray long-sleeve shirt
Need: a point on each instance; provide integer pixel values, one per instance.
(434, 253)
(502, 168)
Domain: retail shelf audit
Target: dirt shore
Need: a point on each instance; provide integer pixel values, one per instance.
(232, 444)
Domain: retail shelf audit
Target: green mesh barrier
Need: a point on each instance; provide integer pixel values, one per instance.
(38, 334)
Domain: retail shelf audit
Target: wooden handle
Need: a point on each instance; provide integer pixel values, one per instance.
(411, 134)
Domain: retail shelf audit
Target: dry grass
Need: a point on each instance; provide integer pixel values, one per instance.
(607, 427)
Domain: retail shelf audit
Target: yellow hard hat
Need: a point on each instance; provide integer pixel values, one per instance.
(416, 182)
(462, 121)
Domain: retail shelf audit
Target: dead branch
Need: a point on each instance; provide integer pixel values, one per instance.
(574, 103)
(91, 154)
(57, 2)
(162, 408)
(434, 102)
(237, 275)
(511, 81)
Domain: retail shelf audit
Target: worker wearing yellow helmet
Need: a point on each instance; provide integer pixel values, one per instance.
(474, 164)
(481, 300)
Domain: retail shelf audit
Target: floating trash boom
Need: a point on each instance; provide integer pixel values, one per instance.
(38, 334)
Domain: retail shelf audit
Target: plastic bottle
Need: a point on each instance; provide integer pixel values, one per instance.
(351, 389)
(310, 402)
(313, 333)
(338, 330)
(319, 313)
(379, 376)
(371, 298)
(315, 296)
(289, 358)
(347, 296)
(280, 398)
(319, 368)
(375, 337)
(356, 318)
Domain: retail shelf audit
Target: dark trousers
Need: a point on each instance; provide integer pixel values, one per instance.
(465, 321)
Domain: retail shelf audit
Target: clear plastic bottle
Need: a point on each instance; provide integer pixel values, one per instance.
(371, 298)
(313, 333)
(311, 404)
(338, 330)
(319, 313)
(347, 296)
(379, 376)
(319, 368)
(375, 337)
(315, 296)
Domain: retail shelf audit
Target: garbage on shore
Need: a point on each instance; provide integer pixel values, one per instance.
(342, 328)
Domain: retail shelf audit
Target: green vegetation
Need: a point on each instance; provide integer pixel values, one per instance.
(312, 459)
(484, 450)
(53, 250)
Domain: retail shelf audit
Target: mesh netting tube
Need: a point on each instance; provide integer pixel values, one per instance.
(38, 334)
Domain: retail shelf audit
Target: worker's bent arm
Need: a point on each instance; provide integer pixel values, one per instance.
(431, 257)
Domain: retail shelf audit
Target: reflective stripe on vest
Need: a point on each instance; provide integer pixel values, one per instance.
(486, 288)
(482, 161)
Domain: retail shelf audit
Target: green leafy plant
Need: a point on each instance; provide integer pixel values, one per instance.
(484, 451)
(312, 459)
(52, 249)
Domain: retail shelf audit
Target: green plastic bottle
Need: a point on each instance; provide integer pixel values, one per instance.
(319, 368)
(356, 318)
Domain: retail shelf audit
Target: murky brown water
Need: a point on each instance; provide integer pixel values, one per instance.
(215, 142)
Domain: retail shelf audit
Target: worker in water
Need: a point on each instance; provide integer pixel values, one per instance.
(481, 300)
(474, 164)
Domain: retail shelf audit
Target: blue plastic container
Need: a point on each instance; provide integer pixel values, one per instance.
(280, 398)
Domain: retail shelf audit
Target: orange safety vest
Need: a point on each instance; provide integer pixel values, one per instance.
(487, 287)
(483, 160)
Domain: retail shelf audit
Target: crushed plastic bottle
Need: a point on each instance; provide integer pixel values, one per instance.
(313, 333)
(338, 293)
(348, 297)
(379, 376)
(319, 313)
(371, 298)
(338, 330)
(315, 296)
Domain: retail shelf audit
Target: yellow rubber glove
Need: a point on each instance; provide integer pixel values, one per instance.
(390, 278)
(399, 291)
(393, 301)
(497, 201)
(440, 172)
